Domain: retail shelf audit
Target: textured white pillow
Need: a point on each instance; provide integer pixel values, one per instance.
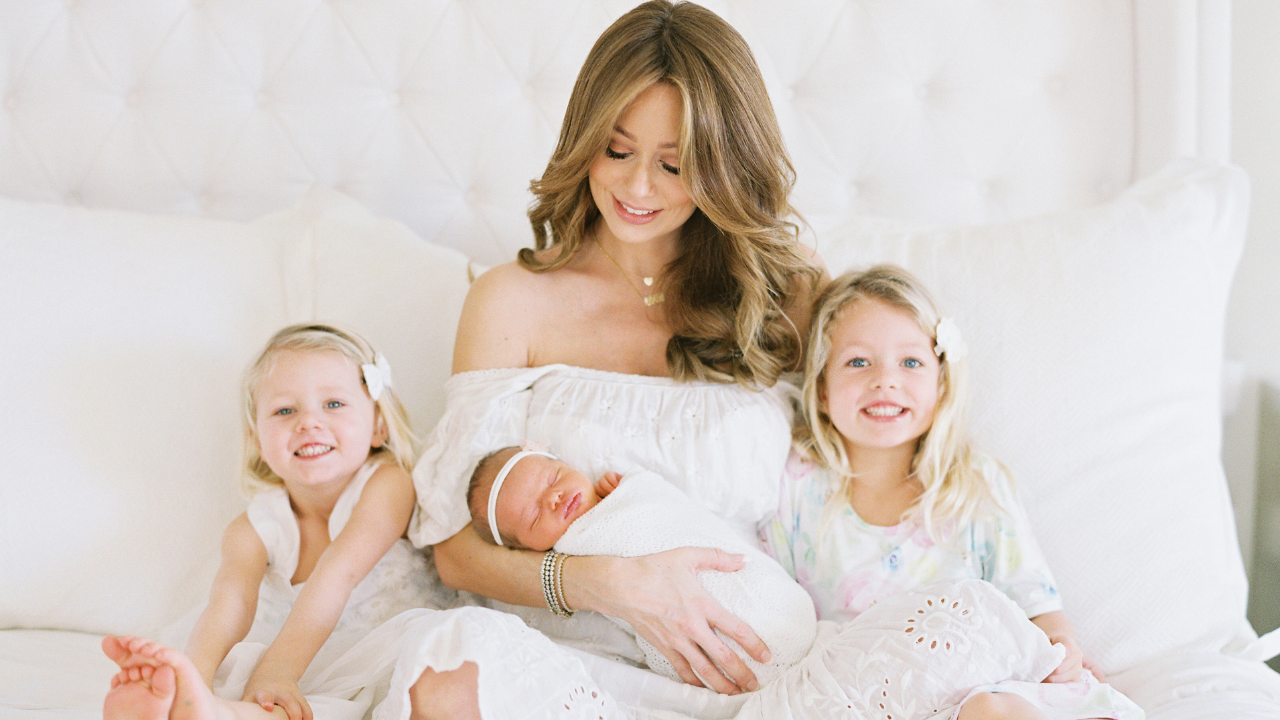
(1097, 341)
(125, 337)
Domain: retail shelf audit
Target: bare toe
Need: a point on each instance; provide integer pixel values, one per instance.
(164, 682)
(115, 649)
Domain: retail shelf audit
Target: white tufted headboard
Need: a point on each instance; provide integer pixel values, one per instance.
(974, 110)
(438, 113)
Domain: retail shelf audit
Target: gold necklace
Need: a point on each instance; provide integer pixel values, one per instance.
(649, 300)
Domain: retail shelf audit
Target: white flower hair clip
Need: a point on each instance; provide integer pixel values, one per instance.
(377, 375)
(949, 342)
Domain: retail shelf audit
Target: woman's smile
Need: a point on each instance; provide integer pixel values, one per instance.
(635, 182)
(633, 215)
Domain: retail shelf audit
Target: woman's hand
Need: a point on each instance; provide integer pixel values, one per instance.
(267, 694)
(660, 596)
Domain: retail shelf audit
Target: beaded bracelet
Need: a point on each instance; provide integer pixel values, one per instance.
(548, 566)
(560, 585)
(552, 585)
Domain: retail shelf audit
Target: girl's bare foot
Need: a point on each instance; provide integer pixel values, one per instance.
(144, 692)
(188, 697)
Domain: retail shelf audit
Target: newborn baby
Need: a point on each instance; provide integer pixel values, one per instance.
(539, 502)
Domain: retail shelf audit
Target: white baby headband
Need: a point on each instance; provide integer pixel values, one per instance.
(497, 485)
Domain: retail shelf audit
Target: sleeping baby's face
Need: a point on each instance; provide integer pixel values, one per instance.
(540, 499)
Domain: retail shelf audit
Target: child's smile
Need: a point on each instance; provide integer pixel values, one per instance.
(312, 450)
(884, 410)
(316, 423)
(880, 385)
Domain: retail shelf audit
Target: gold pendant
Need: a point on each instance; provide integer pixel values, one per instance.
(654, 299)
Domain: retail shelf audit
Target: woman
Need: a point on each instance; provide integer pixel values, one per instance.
(650, 325)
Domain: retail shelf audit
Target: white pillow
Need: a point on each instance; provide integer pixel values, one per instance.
(125, 338)
(1097, 342)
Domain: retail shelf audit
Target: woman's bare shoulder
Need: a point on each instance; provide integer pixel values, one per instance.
(501, 316)
(500, 281)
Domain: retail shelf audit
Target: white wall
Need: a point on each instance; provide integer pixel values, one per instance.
(1252, 445)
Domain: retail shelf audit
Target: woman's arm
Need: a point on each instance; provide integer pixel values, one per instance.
(659, 595)
(233, 599)
(377, 521)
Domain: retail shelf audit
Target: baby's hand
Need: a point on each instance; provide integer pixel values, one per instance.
(269, 693)
(607, 483)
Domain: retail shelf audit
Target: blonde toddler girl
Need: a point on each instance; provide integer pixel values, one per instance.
(316, 562)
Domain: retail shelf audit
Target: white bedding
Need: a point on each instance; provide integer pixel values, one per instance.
(209, 171)
(52, 675)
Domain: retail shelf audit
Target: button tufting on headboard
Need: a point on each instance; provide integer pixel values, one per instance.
(408, 102)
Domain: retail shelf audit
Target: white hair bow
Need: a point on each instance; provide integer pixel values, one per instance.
(949, 341)
(377, 375)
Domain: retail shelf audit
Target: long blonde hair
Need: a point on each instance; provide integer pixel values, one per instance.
(400, 444)
(945, 462)
(739, 259)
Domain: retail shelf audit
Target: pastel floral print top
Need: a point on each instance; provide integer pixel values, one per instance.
(846, 564)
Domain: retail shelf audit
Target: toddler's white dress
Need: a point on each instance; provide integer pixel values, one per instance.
(351, 671)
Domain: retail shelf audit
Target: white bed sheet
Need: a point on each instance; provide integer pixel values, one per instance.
(53, 675)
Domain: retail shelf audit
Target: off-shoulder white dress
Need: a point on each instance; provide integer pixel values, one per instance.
(723, 445)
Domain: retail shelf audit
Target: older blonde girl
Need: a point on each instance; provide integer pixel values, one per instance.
(886, 494)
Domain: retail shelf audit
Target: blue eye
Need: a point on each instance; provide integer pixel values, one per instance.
(912, 363)
(333, 404)
(858, 362)
(614, 154)
(283, 411)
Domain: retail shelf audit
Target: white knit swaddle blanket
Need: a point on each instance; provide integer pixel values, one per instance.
(647, 514)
